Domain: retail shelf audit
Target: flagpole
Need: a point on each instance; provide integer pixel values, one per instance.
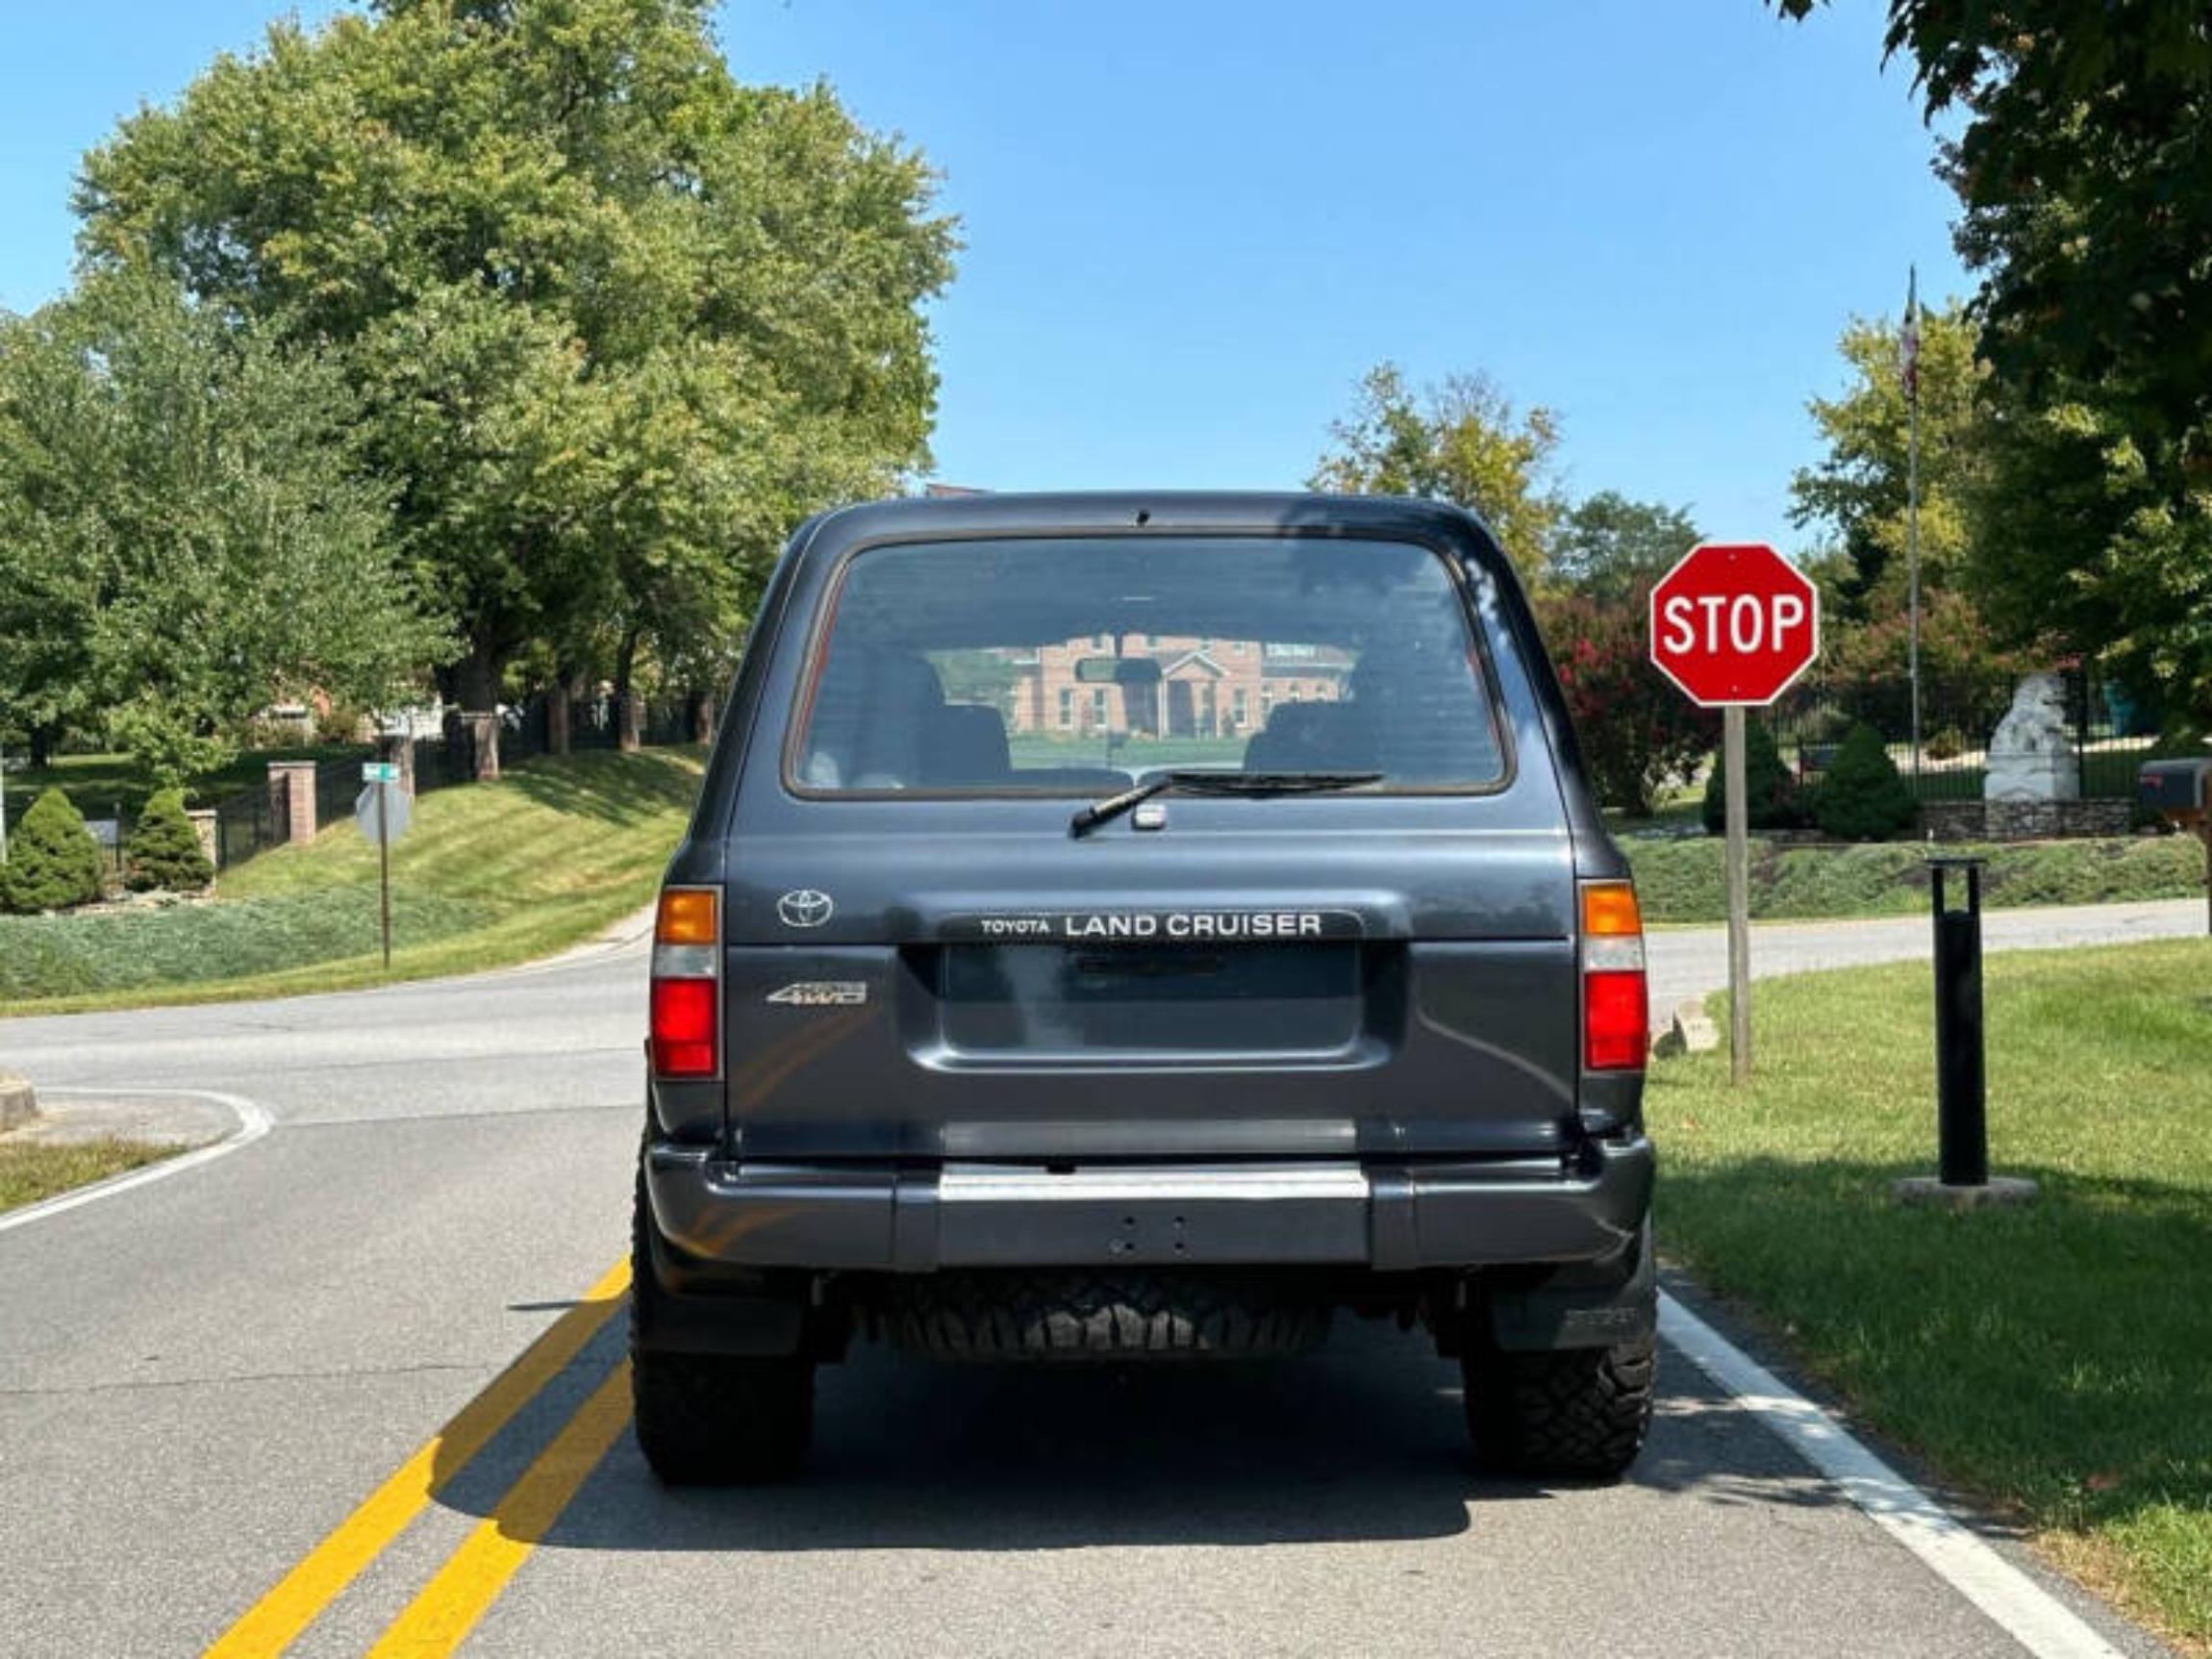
(1913, 494)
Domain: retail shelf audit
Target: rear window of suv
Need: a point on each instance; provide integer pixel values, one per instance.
(1077, 664)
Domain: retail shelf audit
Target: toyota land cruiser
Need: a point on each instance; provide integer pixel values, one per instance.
(1137, 928)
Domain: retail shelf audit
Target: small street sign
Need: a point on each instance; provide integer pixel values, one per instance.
(380, 812)
(1734, 624)
(398, 808)
(380, 771)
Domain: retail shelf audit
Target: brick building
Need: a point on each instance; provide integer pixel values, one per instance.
(1207, 688)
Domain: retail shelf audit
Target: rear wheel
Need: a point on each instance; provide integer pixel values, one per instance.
(1576, 1412)
(709, 1420)
(712, 1419)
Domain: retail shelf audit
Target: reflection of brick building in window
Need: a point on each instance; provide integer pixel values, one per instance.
(1207, 688)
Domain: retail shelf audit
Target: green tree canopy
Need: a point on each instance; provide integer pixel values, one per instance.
(616, 320)
(186, 535)
(1461, 441)
(1856, 494)
(2081, 170)
(1612, 548)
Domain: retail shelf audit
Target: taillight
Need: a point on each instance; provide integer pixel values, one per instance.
(686, 1000)
(1615, 1006)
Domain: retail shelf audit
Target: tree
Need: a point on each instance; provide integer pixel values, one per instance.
(616, 320)
(187, 534)
(1612, 548)
(1857, 494)
(1461, 441)
(165, 850)
(53, 862)
(1636, 730)
(2087, 210)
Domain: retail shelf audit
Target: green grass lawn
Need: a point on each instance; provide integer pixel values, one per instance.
(29, 1171)
(1682, 880)
(2056, 1360)
(489, 874)
(102, 784)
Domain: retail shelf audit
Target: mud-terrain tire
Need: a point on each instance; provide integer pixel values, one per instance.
(707, 1420)
(1580, 1413)
(712, 1419)
(1075, 1315)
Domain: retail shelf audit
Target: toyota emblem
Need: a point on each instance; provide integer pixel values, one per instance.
(804, 907)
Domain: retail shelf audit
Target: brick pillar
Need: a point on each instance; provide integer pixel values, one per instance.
(483, 728)
(557, 727)
(703, 717)
(631, 738)
(292, 799)
(204, 826)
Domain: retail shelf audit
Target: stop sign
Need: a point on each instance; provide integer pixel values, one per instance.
(1734, 623)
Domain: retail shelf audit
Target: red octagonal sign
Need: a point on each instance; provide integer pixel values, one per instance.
(1734, 623)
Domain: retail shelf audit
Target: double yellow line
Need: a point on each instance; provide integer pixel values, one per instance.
(464, 1587)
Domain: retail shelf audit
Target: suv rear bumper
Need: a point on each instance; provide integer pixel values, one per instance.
(1388, 1217)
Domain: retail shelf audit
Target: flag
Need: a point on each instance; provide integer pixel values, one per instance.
(1909, 342)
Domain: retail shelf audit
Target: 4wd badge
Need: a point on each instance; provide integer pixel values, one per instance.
(804, 907)
(822, 993)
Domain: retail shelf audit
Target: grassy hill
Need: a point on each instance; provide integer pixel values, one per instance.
(555, 852)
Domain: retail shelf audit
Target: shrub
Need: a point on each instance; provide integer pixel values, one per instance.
(1774, 802)
(165, 850)
(53, 862)
(1862, 797)
(1637, 733)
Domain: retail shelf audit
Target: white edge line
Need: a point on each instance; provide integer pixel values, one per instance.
(253, 1123)
(2022, 1608)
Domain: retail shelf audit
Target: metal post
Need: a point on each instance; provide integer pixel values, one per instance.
(3, 803)
(1962, 1125)
(1739, 823)
(383, 864)
(1913, 502)
(2205, 830)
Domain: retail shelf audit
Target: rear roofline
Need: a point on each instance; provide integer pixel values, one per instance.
(827, 537)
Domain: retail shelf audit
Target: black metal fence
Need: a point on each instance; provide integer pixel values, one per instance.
(1959, 715)
(251, 821)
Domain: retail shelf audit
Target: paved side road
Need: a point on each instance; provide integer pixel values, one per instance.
(1692, 961)
(201, 1378)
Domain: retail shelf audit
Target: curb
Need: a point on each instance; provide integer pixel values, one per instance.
(18, 1101)
(253, 1123)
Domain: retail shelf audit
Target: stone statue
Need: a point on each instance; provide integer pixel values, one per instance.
(2030, 758)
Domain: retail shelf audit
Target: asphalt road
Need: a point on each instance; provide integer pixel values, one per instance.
(201, 1378)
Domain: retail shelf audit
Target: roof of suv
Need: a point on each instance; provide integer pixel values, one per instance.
(1164, 512)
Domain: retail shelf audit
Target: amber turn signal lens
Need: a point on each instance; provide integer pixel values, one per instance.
(687, 915)
(1609, 909)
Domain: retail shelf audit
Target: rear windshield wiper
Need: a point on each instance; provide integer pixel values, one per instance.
(1203, 783)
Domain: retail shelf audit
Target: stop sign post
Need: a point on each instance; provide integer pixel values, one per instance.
(1733, 625)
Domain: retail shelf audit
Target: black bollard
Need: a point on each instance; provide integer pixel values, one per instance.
(1962, 1125)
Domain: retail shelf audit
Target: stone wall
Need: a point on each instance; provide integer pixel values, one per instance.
(2027, 820)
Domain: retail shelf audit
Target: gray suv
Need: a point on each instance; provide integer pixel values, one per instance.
(1136, 928)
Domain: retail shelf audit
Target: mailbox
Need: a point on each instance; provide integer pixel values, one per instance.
(2181, 791)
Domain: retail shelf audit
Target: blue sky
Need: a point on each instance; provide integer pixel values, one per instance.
(1190, 227)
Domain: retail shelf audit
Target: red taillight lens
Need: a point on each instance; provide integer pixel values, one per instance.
(687, 984)
(684, 1027)
(1616, 1020)
(1616, 1006)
